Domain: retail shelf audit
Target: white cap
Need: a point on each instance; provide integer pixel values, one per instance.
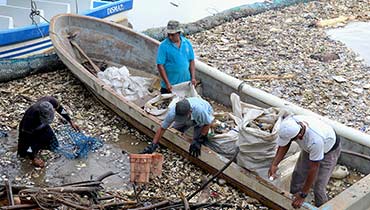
(289, 128)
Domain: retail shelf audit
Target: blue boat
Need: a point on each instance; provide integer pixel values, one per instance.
(24, 24)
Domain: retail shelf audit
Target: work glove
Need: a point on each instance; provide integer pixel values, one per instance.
(196, 144)
(194, 149)
(203, 139)
(150, 149)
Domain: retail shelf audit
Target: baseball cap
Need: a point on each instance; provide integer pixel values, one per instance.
(289, 128)
(182, 111)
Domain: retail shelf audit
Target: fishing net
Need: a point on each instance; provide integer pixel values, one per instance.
(3, 134)
(74, 144)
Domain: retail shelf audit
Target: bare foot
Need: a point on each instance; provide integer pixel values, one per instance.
(38, 162)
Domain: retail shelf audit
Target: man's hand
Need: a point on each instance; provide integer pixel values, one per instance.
(194, 149)
(194, 82)
(169, 88)
(74, 126)
(38, 162)
(150, 149)
(272, 171)
(298, 201)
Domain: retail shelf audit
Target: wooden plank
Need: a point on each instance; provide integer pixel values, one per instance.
(95, 67)
(355, 197)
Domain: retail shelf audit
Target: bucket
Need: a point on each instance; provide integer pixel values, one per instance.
(140, 167)
(156, 166)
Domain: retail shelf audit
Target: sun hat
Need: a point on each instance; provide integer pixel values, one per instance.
(289, 128)
(173, 26)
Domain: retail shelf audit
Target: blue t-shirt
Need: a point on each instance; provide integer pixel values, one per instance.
(201, 113)
(176, 61)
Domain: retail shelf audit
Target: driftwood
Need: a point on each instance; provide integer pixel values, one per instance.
(9, 191)
(334, 21)
(269, 77)
(154, 206)
(80, 195)
(21, 206)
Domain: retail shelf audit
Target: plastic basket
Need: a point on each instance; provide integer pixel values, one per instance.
(140, 165)
(156, 166)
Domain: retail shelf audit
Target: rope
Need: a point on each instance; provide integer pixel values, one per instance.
(76, 6)
(35, 12)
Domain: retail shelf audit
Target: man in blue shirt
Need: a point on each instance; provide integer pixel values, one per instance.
(190, 112)
(175, 58)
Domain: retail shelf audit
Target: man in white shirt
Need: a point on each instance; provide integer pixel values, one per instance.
(320, 150)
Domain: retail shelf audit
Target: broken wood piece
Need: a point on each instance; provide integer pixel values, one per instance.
(95, 67)
(9, 191)
(70, 204)
(103, 176)
(154, 206)
(269, 77)
(20, 207)
(185, 201)
(333, 21)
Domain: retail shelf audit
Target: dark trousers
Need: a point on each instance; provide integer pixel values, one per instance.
(37, 140)
(164, 90)
(184, 127)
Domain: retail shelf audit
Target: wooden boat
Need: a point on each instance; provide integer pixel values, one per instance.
(119, 45)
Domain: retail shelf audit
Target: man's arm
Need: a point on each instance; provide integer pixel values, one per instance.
(60, 109)
(192, 72)
(204, 130)
(277, 159)
(158, 135)
(163, 74)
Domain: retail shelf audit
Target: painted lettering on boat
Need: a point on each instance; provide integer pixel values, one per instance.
(115, 9)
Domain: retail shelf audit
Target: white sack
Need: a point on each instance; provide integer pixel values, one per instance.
(131, 87)
(257, 146)
(224, 144)
(179, 92)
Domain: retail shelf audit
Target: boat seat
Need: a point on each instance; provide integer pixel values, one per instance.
(72, 4)
(81, 5)
(6, 22)
(50, 8)
(20, 15)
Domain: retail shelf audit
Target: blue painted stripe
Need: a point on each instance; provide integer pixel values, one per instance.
(23, 34)
(29, 51)
(110, 9)
(99, 3)
(24, 47)
(30, 32)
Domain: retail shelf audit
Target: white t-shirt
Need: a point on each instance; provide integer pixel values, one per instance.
(318, 139)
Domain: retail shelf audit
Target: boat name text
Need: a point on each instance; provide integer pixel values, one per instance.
(115, 9)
